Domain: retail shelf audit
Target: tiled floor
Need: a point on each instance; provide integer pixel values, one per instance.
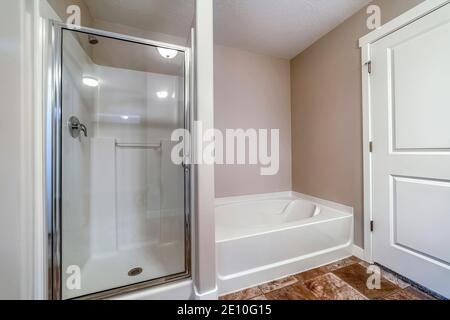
(342, 280)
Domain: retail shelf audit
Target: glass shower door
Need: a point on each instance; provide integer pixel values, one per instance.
(122, 207)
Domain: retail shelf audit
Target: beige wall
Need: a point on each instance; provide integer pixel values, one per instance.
(326, 113)
(252, 91)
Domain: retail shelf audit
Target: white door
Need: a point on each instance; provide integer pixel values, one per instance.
(410, 116)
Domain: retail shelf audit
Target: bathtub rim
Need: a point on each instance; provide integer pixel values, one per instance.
(221, 201)
(344, 211)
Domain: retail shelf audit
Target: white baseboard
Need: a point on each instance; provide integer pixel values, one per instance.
(358, 252)
(210, 295)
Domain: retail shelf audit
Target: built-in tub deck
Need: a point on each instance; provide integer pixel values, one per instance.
(263, 239)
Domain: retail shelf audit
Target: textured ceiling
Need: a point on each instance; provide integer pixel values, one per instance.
(173, 17)
(280, 28)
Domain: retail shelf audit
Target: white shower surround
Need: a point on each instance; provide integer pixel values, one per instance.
(132, 208)
(138, 178)
(262, 238)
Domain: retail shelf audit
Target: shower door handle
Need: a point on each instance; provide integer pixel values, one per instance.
(76, 127)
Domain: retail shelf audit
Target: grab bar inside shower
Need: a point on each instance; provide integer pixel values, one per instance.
(156, 146)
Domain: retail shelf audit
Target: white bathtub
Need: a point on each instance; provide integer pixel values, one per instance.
(264, 238)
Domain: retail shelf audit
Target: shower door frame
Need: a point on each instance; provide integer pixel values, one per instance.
(53, 161)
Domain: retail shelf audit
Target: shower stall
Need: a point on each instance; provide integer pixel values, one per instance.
(118, 206)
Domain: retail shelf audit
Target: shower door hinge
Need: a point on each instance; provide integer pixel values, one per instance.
(185, 166)
(369, 66)
(371, 225)
(371, 146)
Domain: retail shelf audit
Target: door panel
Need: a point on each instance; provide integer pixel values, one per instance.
(410, 103)
(419, 72)
(421, 216)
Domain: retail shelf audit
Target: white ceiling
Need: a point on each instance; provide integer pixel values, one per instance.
(173, 17)
(280, 28)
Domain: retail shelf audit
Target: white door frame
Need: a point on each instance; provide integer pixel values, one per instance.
(365, 43)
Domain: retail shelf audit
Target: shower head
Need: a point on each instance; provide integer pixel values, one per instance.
(92, 39)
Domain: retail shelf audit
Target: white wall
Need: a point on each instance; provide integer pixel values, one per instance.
(20, 152)
(10, 146)
(204, 229)
(146, 192)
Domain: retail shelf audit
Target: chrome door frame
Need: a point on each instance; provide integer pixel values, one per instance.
(53, 162)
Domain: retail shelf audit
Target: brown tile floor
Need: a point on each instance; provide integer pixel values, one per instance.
(342, 280)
